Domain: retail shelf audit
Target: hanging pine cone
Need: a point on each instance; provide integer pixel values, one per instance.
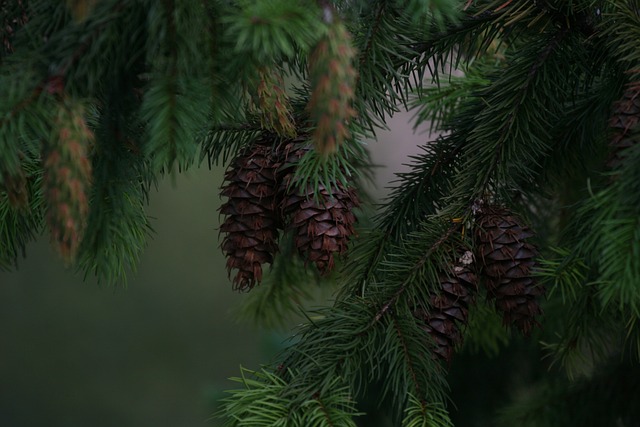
(67, 175)
(507, 261)
(624, 121)
(449, 309)
(252, 219)
(322, 227)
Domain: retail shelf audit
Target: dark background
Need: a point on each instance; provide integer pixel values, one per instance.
(157, 352)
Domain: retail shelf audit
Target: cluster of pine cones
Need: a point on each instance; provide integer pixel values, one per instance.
(504, 260)
(503, 257)
(263, 200)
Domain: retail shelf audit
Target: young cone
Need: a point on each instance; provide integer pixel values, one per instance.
(333, 80)
(67, 176)
(625, 122)
(16, 188)
(449, 309)
(252, 221)
(507, 261)
(273, 103)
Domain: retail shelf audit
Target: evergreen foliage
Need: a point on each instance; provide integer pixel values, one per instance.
(542, 124)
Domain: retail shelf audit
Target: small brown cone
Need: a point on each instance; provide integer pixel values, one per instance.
(322, 227)
(449, 308)
(333, 80)
(67, 176)
(625, 123)
(252, 220)
(507, 261)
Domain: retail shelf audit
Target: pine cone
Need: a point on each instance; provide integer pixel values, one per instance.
(322, 228)
(67, 175)
(449, 309)
(507, 261)
(624, 121)
(252, 219)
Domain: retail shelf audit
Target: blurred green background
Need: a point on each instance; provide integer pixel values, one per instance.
(159, 351)
(156, 353)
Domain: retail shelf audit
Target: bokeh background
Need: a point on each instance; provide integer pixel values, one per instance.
(158, 351)
(153, 353)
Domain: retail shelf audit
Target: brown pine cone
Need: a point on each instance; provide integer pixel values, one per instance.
(507, 261)
(449, 309)
(252, 219)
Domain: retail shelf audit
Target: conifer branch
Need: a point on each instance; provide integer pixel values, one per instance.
(505, 131)
(86, 43)
(393, 218)
(223, 141)
(323, 408)
(422, 181)
(419, 414)
(384, 83)
(364, 55)
(416, 266)
(468, 24)
(408, 360)
(372, 263)
(172, 70)
(21, 105)
(20, 226)
(25, 122)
